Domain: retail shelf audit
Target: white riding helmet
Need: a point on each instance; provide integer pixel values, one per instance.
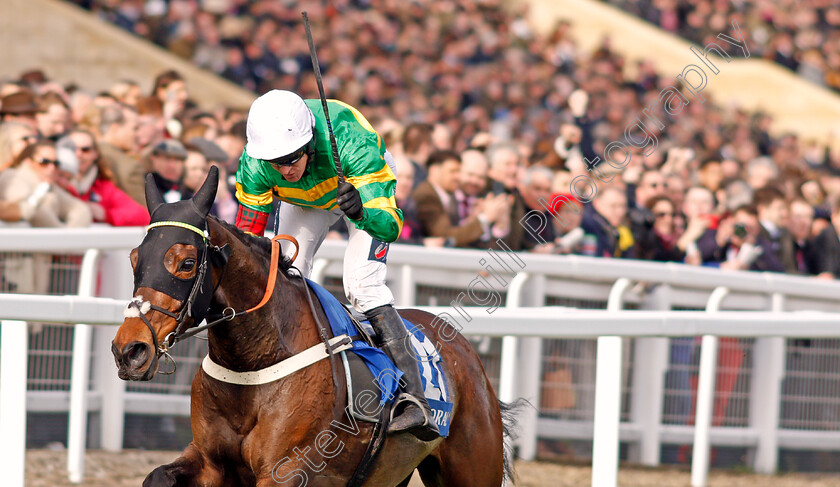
(279, 123)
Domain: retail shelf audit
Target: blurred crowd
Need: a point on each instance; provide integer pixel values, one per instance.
(489, 123)
(69, 157)
(801, 35)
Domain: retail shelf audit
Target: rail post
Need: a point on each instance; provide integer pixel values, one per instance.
(80, 372)
(608, 398)
(14, 337)
(650, 363)
(706, 396)
(766, 395)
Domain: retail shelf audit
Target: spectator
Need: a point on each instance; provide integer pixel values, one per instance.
(412, 231)
(773, 216)
(761, 171)
(126, 92)
(20, 107)
(441, 137)
(54, 117)
(417, 145)
(95, 185)
(651, 185)
(536, 191)
(167, 165)
(196, 168)
(68, 164)
(504, 170)
(169, 95)
(472, 183)
(710, 175)
(14, 137)
(675, 191)
(801, 220)
(225, 205)
(741, 246)
(666, 247)
(734, 194)
(436, 205)
(699, 211)
(813, 192)
(605, 224)
(567, 216)
(150, 131)
(118, 129)
(824, 261)
(31, 180)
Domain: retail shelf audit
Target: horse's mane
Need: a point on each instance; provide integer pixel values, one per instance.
(257, 245)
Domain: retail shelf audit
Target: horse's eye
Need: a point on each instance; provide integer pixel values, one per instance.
(187, 265)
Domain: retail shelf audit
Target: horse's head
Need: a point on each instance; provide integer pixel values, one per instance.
(173, 282)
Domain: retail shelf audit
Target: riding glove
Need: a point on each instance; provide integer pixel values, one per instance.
(350, 201)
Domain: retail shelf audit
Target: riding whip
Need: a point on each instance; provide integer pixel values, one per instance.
(317, 70)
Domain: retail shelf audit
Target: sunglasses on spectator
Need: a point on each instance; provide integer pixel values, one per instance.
(44, 161)
(85, 149)
(288, 160)
(664, 214)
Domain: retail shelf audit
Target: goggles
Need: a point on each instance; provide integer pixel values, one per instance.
(290, 159)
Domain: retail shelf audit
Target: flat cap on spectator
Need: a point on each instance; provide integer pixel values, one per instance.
(170, 147)
(209, 149)
(19, 103)
(36, 76)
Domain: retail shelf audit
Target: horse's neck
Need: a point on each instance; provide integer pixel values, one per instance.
(267, 335)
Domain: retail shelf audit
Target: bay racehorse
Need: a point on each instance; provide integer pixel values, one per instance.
(295, 430)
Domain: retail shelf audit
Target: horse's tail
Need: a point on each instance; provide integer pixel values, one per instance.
(510, 432)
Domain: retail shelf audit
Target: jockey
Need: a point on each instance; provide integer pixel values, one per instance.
(288, 154)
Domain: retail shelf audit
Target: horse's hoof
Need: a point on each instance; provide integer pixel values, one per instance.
(413, 421)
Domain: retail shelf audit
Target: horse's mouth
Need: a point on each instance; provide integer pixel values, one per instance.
(135, 362)
(134, 375)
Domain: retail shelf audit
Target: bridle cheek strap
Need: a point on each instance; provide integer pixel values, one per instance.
(159, 348)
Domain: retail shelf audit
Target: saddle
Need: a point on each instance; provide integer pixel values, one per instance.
(361, 370)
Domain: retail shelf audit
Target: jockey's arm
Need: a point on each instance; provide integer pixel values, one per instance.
(251, 221)
(380, 216)
(254, 196)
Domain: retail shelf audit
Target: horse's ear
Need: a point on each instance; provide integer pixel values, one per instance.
(206, 194)
(153, 197)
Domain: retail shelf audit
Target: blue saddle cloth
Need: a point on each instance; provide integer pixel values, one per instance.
(380, 365)
(377, 361)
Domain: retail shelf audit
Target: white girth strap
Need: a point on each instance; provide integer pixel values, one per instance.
(277, 371)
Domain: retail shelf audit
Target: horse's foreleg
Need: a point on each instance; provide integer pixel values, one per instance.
(190, 469)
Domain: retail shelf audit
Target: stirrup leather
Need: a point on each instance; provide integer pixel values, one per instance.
(405, 397)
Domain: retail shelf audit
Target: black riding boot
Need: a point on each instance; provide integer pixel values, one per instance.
(416, 416)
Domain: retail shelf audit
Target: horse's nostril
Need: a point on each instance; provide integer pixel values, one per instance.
(116, 352)
(135, 354)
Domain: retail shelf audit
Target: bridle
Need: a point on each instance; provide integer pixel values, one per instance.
(220, 256)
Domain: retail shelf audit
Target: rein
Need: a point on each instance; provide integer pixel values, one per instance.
(269, 290)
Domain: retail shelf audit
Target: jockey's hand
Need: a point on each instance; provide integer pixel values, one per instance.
(349, 201)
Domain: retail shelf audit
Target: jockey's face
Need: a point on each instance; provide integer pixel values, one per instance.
(294, 172)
